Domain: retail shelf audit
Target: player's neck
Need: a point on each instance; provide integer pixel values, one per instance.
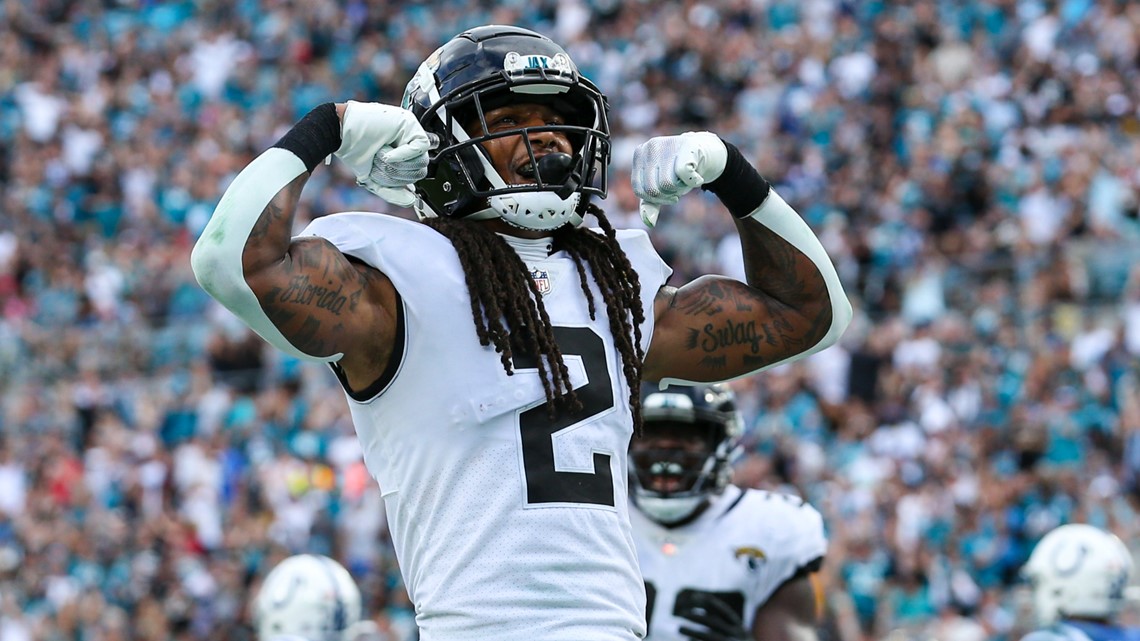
(530, 249)
(692, 517)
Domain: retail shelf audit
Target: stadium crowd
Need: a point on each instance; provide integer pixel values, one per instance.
(972, 166)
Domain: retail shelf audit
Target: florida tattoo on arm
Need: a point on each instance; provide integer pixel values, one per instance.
(307, 288)
(317, 294)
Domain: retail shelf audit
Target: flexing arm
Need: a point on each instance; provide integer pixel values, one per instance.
(792, 305)
(304, 296)
(792, 613)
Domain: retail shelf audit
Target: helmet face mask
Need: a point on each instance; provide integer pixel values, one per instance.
(671, 456)
(490, 67)
(683, 456)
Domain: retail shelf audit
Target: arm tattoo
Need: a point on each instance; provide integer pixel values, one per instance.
(312, 287)
(712, 300)
(321, 290)
(720, 326)
(791, 286)
(715, 363)
(303, 292)
(274, 229)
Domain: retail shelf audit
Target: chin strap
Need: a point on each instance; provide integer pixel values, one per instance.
(669, 511)
(537, 210)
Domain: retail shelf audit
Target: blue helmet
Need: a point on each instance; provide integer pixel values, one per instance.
(485, 68)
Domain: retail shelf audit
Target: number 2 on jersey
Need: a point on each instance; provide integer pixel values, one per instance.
(544, 484)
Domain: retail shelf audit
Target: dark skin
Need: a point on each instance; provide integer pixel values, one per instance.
(794, 610)
(713, 328)
(792, 613)
(668, 441)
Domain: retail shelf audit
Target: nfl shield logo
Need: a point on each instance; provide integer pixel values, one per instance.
(541, 279)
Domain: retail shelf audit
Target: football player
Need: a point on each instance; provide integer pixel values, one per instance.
(1079, 575)
(721, 563)
(307, 597)
(529, 332)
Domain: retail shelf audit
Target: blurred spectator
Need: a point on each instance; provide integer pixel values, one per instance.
(971, 165)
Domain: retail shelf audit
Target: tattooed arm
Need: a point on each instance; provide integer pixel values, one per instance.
(716, 328)
(305, 297)
(318, 299)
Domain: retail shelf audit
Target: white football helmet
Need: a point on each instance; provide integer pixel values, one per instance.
(309, 596)
(1078, 570)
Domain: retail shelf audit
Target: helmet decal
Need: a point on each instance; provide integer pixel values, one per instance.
(516, 64)
(1068, 556)
(307, 595)
(1078, 570)
(489, 67)
(423, 80)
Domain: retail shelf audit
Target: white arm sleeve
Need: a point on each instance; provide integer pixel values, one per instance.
(216, 258)
(777, 215)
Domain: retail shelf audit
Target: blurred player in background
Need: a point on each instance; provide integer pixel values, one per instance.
(721, 563)
(1079, 575)
(307, 597)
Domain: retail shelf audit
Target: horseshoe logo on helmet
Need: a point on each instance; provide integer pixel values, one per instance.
(1067, 558)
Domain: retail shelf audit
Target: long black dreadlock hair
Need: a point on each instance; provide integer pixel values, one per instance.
(508, 309)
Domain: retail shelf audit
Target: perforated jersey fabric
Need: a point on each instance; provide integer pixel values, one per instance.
(492, 547)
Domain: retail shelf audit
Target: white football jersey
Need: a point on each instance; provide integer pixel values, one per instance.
(507, 525)
(742, 548)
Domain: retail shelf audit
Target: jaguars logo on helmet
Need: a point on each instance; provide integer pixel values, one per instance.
(485, 68)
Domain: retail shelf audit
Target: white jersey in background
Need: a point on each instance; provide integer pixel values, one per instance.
(504, 528)
(742, 548)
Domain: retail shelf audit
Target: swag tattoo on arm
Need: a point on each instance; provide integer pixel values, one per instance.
(733, 327)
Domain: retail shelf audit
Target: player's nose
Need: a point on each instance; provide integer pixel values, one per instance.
(545, 139)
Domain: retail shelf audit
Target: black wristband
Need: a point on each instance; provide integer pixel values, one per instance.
(741, 188)
(314, 137)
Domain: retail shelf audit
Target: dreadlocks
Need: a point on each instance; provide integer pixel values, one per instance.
(509, 312)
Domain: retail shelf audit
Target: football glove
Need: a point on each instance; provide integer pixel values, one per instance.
(386, 148)
(720, 622)
(668, 167)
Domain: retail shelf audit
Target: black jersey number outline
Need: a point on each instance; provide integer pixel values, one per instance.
(544, 484)
(688, 598)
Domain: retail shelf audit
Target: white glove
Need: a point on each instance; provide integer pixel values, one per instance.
(668, 167)
(386, 149)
